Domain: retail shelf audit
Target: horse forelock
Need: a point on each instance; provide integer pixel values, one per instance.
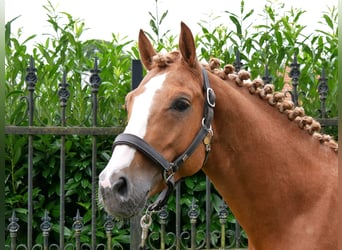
(164, 60)
(273, 98)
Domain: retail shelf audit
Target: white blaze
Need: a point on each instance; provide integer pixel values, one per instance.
(123, 155)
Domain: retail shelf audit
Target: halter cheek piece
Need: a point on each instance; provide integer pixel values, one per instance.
(204, 135)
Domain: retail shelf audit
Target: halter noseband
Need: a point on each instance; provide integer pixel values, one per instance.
(204, 134)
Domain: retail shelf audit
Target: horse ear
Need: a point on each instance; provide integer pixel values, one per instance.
(146, 50)
(187, 46)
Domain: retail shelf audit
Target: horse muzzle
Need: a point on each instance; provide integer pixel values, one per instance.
(120, 197)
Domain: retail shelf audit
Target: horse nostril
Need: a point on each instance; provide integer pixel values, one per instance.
(121, 186)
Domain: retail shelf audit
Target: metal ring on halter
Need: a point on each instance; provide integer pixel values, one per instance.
(168, 174)
(209, 130)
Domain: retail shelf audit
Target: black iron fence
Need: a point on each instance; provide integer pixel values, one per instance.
(226, 235)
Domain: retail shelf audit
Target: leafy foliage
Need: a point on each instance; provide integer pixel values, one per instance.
(274, 42)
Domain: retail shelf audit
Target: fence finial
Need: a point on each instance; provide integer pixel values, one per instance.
(31, 77)
(46, 228)
(78, 222)
(13, 227)
(294, 74)
(238, 64)
(95, 79)
(63, 92)
(267, 78)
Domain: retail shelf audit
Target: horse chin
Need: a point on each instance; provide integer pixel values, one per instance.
(126, 207)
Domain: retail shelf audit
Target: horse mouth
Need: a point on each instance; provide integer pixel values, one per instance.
(123, 206)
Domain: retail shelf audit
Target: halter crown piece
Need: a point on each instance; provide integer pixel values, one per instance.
(169, 168)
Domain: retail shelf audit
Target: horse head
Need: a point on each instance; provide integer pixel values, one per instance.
(169, 118)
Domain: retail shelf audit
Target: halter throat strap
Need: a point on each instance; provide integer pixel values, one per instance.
(169, 168)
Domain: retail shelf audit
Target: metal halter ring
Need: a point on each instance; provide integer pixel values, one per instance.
(146, 220)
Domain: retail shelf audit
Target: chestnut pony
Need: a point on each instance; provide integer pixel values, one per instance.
(264, 156)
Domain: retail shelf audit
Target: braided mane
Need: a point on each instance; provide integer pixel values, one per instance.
(274, 98)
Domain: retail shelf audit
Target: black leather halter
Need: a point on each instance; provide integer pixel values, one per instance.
(169, 168)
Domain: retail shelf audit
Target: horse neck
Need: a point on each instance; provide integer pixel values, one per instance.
(261, 160)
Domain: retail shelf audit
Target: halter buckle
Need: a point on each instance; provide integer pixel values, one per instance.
(211, 97)
(169, 174)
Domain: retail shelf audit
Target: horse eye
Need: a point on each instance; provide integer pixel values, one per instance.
(180, 105)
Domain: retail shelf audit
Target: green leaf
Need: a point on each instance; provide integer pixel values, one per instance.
(78, 177)
(236, 23)
(85, 183)
(189, 183)
(328, 21)
(279, 38)
(248, 14)
(8, 31)
(163, 16)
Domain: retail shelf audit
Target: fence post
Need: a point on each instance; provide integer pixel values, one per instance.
(135, 230)
(137, 73)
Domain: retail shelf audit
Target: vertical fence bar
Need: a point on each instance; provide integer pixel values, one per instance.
(31, 79)
(207, 211)
(178, 214)
(193, 215)
(95, 82)
(163, 216)
(323, 92)
(108, 226)
(223, 214)
(237, 234)
(63, 94)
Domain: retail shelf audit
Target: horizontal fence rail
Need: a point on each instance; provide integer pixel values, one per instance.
(32, 130)
(226, 235)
